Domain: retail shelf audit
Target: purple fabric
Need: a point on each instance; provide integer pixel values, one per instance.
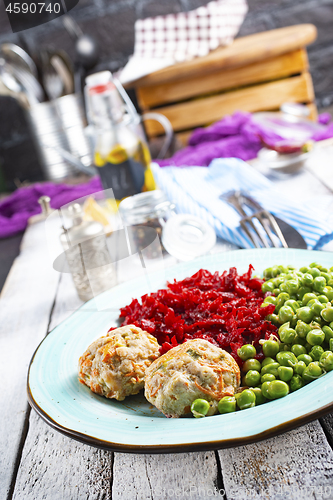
(324, 118)
(235, 136)
(23, 203)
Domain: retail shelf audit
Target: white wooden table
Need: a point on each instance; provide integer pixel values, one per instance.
(36, 462)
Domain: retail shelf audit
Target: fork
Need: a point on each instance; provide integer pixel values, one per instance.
(239, 200)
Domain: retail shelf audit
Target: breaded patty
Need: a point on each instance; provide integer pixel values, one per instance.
(195, 369)
(114, 366)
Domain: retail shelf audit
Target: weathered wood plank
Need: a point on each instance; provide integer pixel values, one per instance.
(163, 477)
(261, 97)
(327, 424)
(297, 465)
(52, 465)
(67, 301)
(55, 467)
(275, 68)
(25, 306)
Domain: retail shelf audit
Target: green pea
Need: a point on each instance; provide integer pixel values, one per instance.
(304, 314)
(268, 377)
(307, 279)
(268, 273)
(285, 373)
(286, 358)
(323, 299)
(252, 378)
(305, 357)
(303, 290)
(278, 281)
(315, 337)
(251, 364)
(292, 286)
(304, 269)
(227, 404)
(285, 314)
(307, 297)
(247, 351)
(289, 276)
(281, 298)
(267, 361)
(287, 335)
(323, 269)
(246, 399)
(278, 389)
(314, 271)
(296, 383)
(315, 264)
(319, 283)
(316, 352)
(302, 328)
(271, 368)
(327, 314)
(270, 348)
(328, 333)
(311, 372)
(268, 286)
(325, 275)
(316, 308)
(300, 367)
(298, 349)
(264, 390)
(260, 399)
(276, 291)
(270, 300)
(200, 408)
(273, 318)
(326, 361)
(329, 293)
(293, 304)
(317, 322)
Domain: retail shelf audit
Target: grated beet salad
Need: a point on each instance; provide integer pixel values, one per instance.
(221, 308)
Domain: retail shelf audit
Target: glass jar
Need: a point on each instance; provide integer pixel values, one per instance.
(87, 255)
(144, 211)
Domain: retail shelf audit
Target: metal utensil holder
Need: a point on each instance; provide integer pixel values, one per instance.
(59, 125)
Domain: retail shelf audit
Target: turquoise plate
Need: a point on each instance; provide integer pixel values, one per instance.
(134, 425)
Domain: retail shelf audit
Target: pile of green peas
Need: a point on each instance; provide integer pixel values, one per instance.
(303, 302)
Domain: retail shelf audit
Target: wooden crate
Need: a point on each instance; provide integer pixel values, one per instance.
(256, 73)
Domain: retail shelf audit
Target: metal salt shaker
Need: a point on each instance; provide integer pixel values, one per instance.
(87, 255)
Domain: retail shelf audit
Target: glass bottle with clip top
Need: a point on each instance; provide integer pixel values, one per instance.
(121, 156)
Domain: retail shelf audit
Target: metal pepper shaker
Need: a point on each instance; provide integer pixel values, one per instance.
(87, 255)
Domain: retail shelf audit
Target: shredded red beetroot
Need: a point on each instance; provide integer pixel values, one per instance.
(223, 309)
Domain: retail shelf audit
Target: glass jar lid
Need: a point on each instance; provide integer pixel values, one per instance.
(186, 236)
(144, 206)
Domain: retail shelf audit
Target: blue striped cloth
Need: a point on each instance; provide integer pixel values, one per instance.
(197, 190)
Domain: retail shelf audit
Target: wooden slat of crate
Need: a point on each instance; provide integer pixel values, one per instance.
(183, 137)
(203, 111)
(277, 67)
(242, 51)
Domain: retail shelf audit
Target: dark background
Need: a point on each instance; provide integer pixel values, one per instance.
(112, 23)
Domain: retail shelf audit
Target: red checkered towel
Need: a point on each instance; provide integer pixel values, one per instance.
(165, 40)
